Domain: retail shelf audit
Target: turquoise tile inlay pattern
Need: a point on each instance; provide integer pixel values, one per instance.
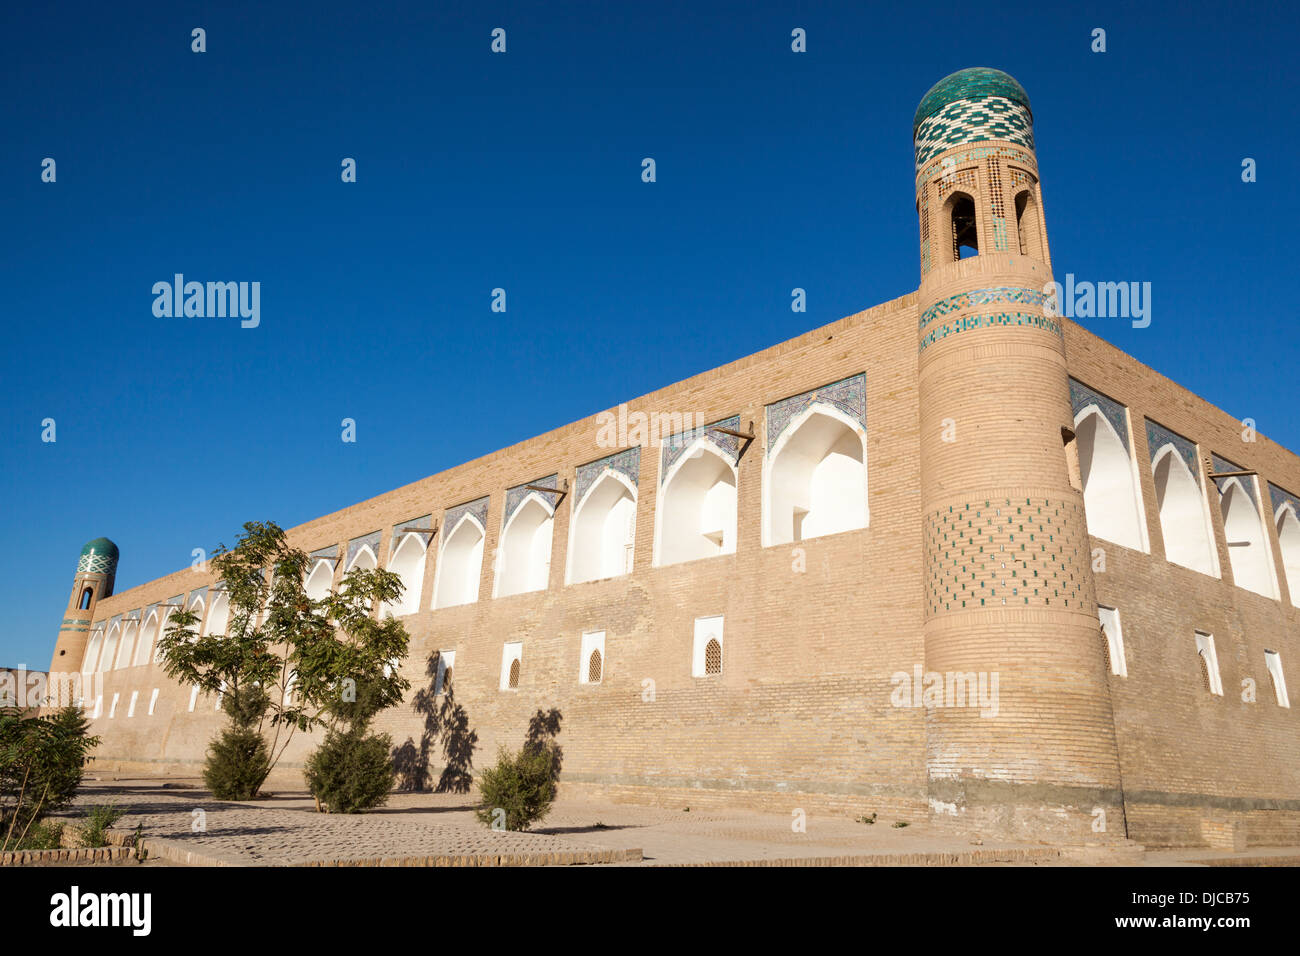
(976, 297)
(1222, 464)
(994, 320)
(848, 395)
(356, 544)
(1000, 233)
(195, 595)
(478, 508)
(399, 532)
(515, 496)
(1081, 396)
(675, 445)
(331, 552)
(1158, 437)
(973, 121)
(627, 463)
(1281, 497)
(970, 83)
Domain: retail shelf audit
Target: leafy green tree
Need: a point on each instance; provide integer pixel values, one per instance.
(42, 759)
(286, 662)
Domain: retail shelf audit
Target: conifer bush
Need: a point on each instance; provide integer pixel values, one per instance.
(238, 761)
(522, 785)
(352, 771)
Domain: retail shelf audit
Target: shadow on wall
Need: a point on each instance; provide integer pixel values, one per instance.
(447, 722)
(543, 734)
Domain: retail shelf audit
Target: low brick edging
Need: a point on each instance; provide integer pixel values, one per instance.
(968, 858)
(98, 854)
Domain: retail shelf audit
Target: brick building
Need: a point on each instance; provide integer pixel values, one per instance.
(953, 555)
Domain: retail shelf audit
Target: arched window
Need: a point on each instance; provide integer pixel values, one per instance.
(713, 657)
(1028, 225)
(219, 616)
(593, 668)
(147, 637)
(816, 478)
(696, 514)
(460, 565)
(364, 560)
(525, 555)
(86, 595)
(408, 563)
(1247, 549)
(604, 530)
(1288, 536)
(320, 579)
(1110, 494)
(1183, 521)
(514, 673)
(126, 649)
(962, 228)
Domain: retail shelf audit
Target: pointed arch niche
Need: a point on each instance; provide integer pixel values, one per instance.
(1111, 497)
(1286, 518)
(460, 555)
(1243, 532)
(815, 472)
(696, 512)
(93, 650)
(148, 635)
(320, 573)
(602, 534)
(219, 613)
(1181, 502)
(111, 639)
(524, 557)
(409, 551)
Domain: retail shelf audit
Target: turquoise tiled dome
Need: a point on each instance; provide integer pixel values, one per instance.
(98, 557)
(972, 83)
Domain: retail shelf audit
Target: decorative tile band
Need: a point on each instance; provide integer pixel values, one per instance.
(990, 321)
(983, 152)
(848, 396)
(627, 463)
(1081, 396)
(451, 517)
(1222, 464)
(370, 540)
(1012, 552)
(196, 595)
(978, 297)
(1281, 497)
(95, 562)
(331, 552)
(971, 121)
(675, 445)
(516, 495)
(1158, 437)
(399, 532)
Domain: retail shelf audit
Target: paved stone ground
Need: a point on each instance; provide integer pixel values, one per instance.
(284, 829)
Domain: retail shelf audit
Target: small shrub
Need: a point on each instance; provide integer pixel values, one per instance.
(99, 818)
(900, 824)
(237, 764)
(865, 819)
(352, 771)
(522, 785)
(42, 836)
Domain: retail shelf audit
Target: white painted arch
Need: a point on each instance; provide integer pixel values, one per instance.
(602, 535)
(1243, 531)
(93, 650)
(111, 640)
(460, 564)
(1112, 502)
(148, 635)
(696, 513)
(815, 478)
(1288, 537)
(524, 558)
(408, 564)
(1184, 513)
(219, 614)
(319, 581)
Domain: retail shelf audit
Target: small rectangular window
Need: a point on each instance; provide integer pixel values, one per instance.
(706, 659)
(1114, 640)
(1274, 664)
(153, 701)
(99, 707)
(194, 696)
(442, 681)
(112, 708)
(1209, 663)
(511, 656)
(130, 708)
(591, 659)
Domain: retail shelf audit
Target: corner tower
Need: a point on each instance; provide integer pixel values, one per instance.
(1009, 595)
(96, 568)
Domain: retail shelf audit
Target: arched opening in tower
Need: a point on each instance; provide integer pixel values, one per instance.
(963, 226)
(1028, 226)
(697, 507)
(1182, 513)
(817, 478)
(604, 530)
(84, 603)
(1110, 494)
(460, 563)
(526, 548)
(1247, 549)
(1288, 536)
(408, 564)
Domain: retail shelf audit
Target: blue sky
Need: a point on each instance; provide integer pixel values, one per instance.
(522, 171)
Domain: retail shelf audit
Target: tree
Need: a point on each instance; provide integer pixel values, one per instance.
(285, 659)
(42, 759)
